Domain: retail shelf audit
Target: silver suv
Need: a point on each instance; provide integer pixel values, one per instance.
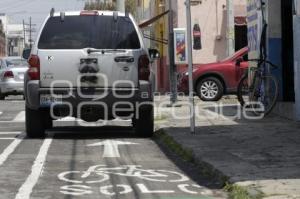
(91, 65)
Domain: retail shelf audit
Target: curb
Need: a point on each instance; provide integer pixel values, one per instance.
(206, 169)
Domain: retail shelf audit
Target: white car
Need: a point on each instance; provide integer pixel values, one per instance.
(92, 65)
(12, 70)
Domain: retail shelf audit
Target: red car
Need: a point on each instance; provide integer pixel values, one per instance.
(213, 80)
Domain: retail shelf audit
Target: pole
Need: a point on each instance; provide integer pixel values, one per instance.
(30, 44)
(190, 64)
(172, 68)
(24, 34)
(121, 5)
(230, 28)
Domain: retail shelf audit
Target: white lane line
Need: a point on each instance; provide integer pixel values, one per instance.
(10, 133)
(11, 148)
(7, 138)
(20, 117)
(36, 170)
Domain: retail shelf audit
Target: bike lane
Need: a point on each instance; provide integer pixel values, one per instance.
(88, 164)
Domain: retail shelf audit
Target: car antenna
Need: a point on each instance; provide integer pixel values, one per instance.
(62, 16)
(52, 12)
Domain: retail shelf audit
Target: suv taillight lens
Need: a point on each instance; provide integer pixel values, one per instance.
(144, 67)
(8, 74)
(34, 67)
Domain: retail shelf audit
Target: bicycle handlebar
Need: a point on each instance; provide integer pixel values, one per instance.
(260, 61)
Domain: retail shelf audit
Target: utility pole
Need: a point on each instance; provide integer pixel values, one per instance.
(24, 34)
(30, 30)
(230, 28)
(172, 68)
(190, 64)
(121, 5)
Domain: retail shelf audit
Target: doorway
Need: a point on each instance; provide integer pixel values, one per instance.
(287, 50)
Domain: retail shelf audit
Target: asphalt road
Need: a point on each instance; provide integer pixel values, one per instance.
(106, 162)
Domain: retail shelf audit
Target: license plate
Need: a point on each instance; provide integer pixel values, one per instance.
(48, 100)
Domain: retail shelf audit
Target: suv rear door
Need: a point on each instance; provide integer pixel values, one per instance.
(66, 43)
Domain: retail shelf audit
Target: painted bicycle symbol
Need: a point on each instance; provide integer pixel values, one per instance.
(101, 173)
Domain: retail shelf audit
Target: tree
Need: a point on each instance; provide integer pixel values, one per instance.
(130, 5)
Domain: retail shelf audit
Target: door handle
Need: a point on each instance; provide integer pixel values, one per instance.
(127, 59)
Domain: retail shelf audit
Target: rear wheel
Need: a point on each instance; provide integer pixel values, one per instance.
(263, 91)
(210, 89)
(143, 123)
(2, 96)
(36, 122)
(243, 90)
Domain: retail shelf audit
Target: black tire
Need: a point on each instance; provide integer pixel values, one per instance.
(47, 119)
(36, 122)
(143, 123)
(215, 92)
(2, 96)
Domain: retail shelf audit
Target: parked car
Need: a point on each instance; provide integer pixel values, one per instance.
(213, 80)
(88, 64)
(12, 70)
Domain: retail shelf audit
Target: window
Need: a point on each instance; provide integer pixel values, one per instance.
(100, 32)
(16, 62)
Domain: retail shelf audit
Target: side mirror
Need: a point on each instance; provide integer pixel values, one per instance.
(239, 61)
(154, 54)
(26, 53)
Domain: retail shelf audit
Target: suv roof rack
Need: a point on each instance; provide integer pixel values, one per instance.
(52, 11)
(62, 16)
(115, 14)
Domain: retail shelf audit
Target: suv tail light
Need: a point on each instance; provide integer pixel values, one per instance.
(8, 74)
(144, 67)
(34, 67)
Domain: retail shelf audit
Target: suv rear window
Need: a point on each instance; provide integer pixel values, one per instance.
(100, 32)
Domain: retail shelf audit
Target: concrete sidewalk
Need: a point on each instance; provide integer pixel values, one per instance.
(261, 155)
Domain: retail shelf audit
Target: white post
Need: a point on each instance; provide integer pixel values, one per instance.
(190, 63)
(230, 28)
(121, 5)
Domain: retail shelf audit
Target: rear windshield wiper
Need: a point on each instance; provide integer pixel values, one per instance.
(89, 51)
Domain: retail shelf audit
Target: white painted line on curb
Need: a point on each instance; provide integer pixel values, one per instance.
(11, 148)
(20, 117)
(36, 170)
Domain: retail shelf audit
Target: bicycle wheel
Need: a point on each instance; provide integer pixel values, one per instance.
(243, 90)
(260, 98)
(267, 94)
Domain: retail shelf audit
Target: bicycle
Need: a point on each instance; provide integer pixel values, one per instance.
(258, 91)
(262, 94)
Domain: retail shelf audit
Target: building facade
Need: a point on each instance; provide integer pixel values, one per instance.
(283, 47)
(209, 19)
(2, 41)
(14, 36)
